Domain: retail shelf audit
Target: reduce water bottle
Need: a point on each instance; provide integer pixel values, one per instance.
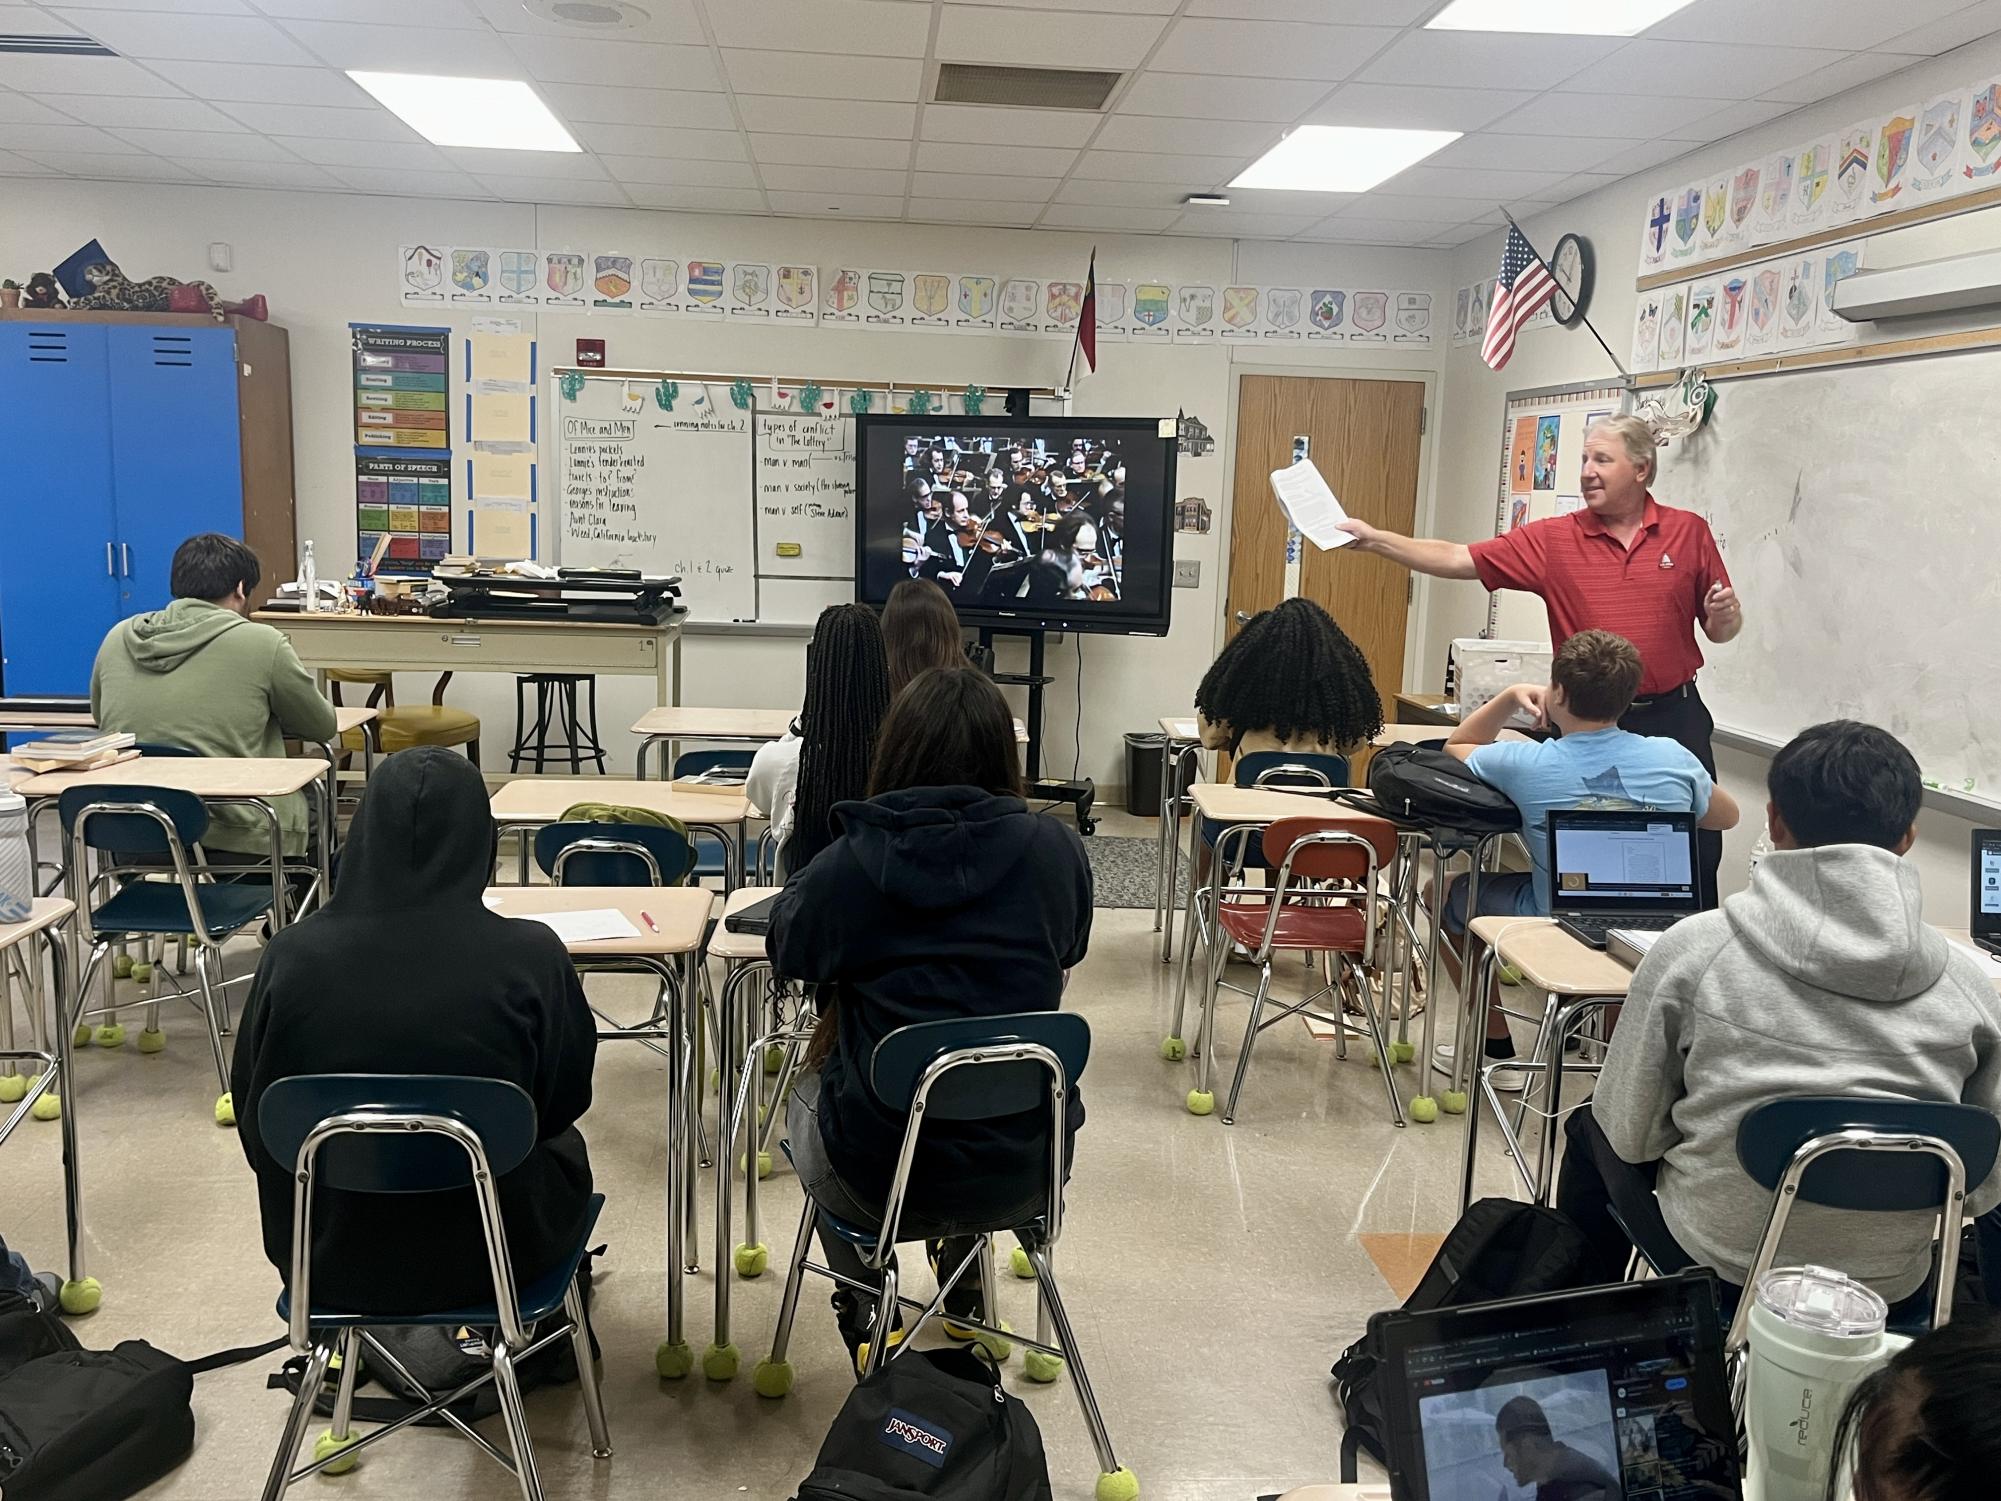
(17, 870)
(309, 579)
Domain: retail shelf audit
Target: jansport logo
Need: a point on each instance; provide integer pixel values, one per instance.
(907, 1432)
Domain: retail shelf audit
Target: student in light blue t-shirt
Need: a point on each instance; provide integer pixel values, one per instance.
(1592, 764)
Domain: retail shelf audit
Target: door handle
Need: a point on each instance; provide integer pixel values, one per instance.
(110, 563)
(1243, 617)
(125, 557)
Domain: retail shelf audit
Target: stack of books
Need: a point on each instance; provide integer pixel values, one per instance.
(74, 750)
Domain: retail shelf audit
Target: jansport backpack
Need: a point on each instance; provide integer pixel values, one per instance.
(1415, 784)
(931, 1425)
(1499, 1249)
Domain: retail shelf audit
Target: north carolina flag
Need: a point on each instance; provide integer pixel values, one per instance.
(1087, 316)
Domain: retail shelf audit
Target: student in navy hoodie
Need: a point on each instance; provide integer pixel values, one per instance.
(942, 897)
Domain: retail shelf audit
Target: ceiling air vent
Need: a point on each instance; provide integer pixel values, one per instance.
(1028, 88)
(54, 46)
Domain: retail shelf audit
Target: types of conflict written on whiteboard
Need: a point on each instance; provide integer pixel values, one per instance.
(805, 496)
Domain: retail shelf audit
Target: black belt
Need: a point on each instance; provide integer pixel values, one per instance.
(1686, 690)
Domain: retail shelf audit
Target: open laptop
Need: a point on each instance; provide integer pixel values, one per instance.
(1986, 906)
(1620, 869)
(1609, 1394)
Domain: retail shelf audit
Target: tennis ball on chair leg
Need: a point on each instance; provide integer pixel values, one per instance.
(1201, 1102)
(1020, 1265)
(81, 1037)
(720, 1362)
(82, 1296)
(1118, 1485)
(1402, 1052)
(771, 1378)
(49, 1107)
(327, 1444)
(152, 1041)
(13, 1088)
(110, 1035)
(673, 1361)
(225, 1110)
(1173, 1049)
(752, 1261)
(1454, 1101)
(121, 967)
(142, 972)
(1424, 1109)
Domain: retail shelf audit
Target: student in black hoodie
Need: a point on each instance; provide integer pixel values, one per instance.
(406, 971)
(942, 897)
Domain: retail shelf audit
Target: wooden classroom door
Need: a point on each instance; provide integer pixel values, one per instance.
(1364, 437)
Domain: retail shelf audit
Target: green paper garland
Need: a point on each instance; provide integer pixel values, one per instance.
(570, 383)
(665, 394)
(919, 404)
(858, 402)
(809, 397)
(740, 394)
(976, 397)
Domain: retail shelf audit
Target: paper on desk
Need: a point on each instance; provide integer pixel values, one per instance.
(593, 925)
(1310, 506)
(1989, 965)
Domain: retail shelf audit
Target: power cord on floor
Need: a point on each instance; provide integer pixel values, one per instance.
(1077, 759)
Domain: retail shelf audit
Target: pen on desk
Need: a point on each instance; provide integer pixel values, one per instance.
(647, 918)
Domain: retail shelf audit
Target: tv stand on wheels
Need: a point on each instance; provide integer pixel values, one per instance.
(1080, 794)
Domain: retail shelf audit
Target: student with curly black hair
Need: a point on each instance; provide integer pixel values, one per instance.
(1291, 680)
(1926, 1426)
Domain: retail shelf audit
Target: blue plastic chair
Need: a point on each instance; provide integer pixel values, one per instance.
(124, 824)
(967, 1069)
(613, 854)
(711, 858)
(417, 1133)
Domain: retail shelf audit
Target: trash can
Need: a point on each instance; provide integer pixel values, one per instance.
(1143, 774)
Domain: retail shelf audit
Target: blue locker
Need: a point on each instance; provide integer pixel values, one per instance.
(176, 460)
(59, 590)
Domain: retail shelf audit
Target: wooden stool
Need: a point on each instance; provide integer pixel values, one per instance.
(555, 697)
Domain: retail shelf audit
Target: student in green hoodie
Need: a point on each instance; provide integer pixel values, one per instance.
(203, 676)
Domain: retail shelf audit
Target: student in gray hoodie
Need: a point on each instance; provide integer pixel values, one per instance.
(1820, 978)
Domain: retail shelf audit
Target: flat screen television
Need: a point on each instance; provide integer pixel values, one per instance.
(1036, 523)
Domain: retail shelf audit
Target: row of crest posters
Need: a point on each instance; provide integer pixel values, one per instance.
(1746, 312)
(770, 293)
(1944, 146)
(1469, 313)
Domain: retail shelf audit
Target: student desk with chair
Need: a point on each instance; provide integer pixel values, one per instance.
(667, 727)
(527, 803)
(50, 1094)
(671, 922)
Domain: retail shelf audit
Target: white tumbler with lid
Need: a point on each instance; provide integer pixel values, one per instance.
(17, 868)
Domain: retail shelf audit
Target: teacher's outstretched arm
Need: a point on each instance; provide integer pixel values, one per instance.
(1445, 560)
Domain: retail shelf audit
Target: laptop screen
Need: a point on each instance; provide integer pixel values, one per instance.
(1987, 882)
(1613, 1394)
(1606, 863)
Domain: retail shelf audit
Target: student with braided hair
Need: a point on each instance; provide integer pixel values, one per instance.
(824, 758)
(1291, 680)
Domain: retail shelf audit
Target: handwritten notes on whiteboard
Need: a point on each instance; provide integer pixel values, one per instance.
(805, 496)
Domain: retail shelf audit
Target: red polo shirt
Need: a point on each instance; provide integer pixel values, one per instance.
(1651, 593)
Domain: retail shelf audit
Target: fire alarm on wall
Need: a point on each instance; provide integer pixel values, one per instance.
(590, 352)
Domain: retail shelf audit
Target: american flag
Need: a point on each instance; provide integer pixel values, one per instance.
(1525, 285)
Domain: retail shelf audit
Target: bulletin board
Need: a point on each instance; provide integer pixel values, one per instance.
(1542, 455)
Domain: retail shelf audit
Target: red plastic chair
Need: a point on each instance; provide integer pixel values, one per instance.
(1324, 900)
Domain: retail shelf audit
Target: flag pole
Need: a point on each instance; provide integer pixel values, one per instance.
(1616, 364)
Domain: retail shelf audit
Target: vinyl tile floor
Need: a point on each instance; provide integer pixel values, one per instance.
(1213, 1272)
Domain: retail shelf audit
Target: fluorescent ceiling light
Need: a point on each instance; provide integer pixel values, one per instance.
(1340, 158)
(487, 112)
(1575, 17)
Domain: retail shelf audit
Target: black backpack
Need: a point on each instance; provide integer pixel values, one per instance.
(931, 1425)
(1499, 1249)
(85, 1425)
(1418, 785)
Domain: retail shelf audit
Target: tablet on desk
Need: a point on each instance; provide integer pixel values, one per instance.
(756, 918)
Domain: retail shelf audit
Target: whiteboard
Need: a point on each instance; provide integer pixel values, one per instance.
(664, 491)
(806, 497)
(1855, 509)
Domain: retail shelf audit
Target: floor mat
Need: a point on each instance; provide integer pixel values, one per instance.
(1126, 872)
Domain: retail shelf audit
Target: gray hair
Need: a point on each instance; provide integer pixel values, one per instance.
(1636, 437)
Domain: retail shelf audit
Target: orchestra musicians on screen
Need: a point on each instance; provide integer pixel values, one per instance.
(996, 523)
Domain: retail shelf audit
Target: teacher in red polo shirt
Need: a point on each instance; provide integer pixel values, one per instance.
(1624, 564)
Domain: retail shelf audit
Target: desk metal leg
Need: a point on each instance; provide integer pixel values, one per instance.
(674, 1359)
(81, 1293)
(1163, 896)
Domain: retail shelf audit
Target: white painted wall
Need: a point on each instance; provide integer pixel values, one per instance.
(1610, 218)
(327, 260)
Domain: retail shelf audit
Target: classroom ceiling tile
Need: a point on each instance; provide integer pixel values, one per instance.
(1475, 59)
(1124, 194)
(553, 190)
(184, 7)
(317, 119)
(1193, 173)
(1192, 137)
(1268, 49)
(407, 49)
(875, 28)
(1106, 216)
(1404, 107)
(242, 83)
(489, 162)
(983, 185)
(142, 34)
(1461, 235)
(1191, 96)
(1078, 39)
(1700, 70)
(1514, 152)
(677, 171)
(19, 166)
(655, 140)
(1642, 115)
(834, 117)
(672, 21)
(1837, 77)
(1853, 24)
(133, 167)
(698, 200)
(402, 183)
(64, 138)
(1948, 32)
(1120, 7)
(639, 65)
(1010, 161)
(581, 104)
(1326, 12)
(1347, 229)
(973, 211)
(844, 205)
(1732, 118)
(445, 13)
(285, 175)
(978, 124)
(1281, 201)
(37, 73)
(1411, 208)
(139, 114)
(1580, 183)
(1652, 154)
(217, 145)
(882, 181)
(402, 156)
(830, 151)
(19, 109)
(1229, 224)
(807, 75)
(1483, 183)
